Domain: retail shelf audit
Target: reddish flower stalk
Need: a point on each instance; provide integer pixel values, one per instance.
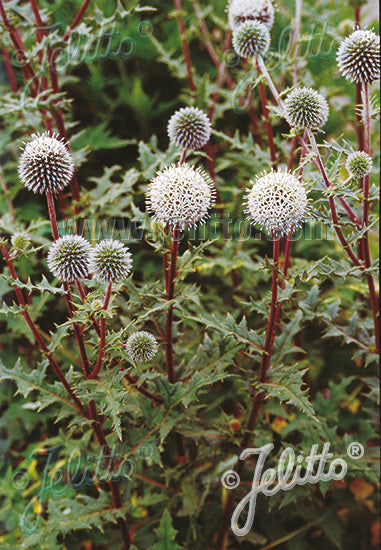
(156, 399)
(20, 49)
(179, 442)
(365, 182)
(219, 64)
(170, 295)
(77, 19)
(185, 48)
(220, 79)
(77, 332)
(165, 262)
(268, 125)
(102, 341)
(10, 71)
(183, 156)
(335, 219)
(52, 215)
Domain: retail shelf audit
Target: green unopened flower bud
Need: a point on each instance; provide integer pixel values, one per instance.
(20, 241)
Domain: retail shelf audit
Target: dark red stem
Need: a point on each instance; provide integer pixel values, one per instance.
(335, 219)
(102, 341)
(155, 398)
(10, 71)
(170, 295)
(185, 48)
(268, 125)
(77, 19)
(52, 215)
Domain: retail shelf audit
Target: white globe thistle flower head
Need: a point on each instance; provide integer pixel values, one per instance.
(180, 196)
(277, 202)
(240, 11)
(359, 164)
(190, 128)
(306, 108)
(141, 346)
(45, 165)
(358, 56)
(250, 39)
(69, 258)
(111, 261)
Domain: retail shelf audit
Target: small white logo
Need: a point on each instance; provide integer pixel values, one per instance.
(230, 479)
(355, 450)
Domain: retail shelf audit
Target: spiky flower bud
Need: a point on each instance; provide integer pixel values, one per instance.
(141, 346)
(20, 241)
(45, 165)
(359, 164)
(277, 202)
(251, 38)
(306, 108)
(180, 196)
(111, 261)
(69, 258)
(358, 56)
(189, 127)
(240, 11)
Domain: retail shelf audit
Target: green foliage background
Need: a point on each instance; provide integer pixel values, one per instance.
(322, 385)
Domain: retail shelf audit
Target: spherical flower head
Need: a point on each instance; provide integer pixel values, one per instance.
(69, 258)
(141, 346)
(277, 202)
(189, 128)
(358, 57)
(251, 38)
(240, 11)
(306, 108)
(20, 241)
(111, 261)
(45, 165)
(180, 196)
(359, 164)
